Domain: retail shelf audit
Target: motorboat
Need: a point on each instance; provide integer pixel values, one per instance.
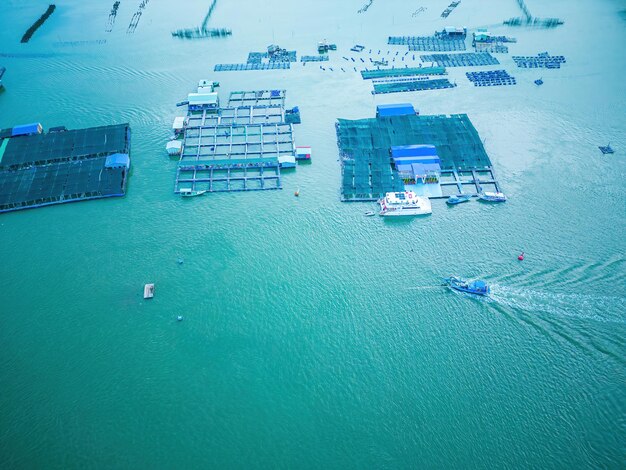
(489, 196)
(186, 192)
(405, 203)
(369, 213)
(477, 287)
(458, 198)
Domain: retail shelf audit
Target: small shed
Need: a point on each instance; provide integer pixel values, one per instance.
(303, 153)
(202, 100)
(400, 109)
(174, 147)
(27, 129)
(287, 161)
(179, 124)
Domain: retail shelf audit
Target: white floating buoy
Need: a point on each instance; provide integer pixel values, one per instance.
(179, 318)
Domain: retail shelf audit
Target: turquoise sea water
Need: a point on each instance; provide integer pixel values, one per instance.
(315, 337)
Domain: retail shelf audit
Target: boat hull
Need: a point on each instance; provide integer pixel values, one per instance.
(405, 212)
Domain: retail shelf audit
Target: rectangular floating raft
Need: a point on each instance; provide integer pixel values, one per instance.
(64, 166)
(417, 85)
(402, 72)
(467, 59)
(251, 66)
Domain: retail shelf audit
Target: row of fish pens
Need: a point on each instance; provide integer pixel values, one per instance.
(469, 59)
(491, 78)
(542, 60)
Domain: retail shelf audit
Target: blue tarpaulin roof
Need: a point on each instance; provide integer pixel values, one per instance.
(399, 109)
(26, 129)
(412, 160)
(117, 160)
(413, 150)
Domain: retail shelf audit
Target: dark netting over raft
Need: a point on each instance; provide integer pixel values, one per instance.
(364, 148)
(63, 166)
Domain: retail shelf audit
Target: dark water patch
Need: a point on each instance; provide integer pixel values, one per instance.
(30, 31)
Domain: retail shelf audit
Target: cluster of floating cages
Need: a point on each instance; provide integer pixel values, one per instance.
(274, 58)
(428, 43)
(466, 59)
(402, 72)
(314, 58)
(542, 60)
(438, 45)
(282, 55)
(491, 47)
(491, 78)
(413, 85)
(447, 11)
(254, 66)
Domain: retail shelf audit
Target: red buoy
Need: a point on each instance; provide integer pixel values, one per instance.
(521, 257)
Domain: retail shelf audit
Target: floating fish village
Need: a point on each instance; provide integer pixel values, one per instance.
(399, 158)
(360, 234)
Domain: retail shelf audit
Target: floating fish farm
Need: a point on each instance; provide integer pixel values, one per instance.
(492, 78)
(314, 58)
(254, 66)
(415, 85)
(467, 59)
(399, 72)
(365, 154)
(274, 58)
(240, 147)
(448, 10)
(39, 169)
(542, 60)
(257, 97)
(428, 43)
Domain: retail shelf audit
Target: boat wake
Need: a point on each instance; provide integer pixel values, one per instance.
(607, 309)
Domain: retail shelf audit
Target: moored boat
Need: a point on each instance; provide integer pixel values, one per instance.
(489, 196)
(458, 198)
(405, 203)
(186, 192)
(477, 287)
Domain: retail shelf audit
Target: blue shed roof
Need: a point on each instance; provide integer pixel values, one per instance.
(400, 109)
(413, 150)
(26, 129)
(117, 160)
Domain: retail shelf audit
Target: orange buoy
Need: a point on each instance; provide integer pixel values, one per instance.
(521, 256)
(297, 193)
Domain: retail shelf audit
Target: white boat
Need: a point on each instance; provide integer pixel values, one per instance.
(405, 203)
(187, 192)
(490, 196)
